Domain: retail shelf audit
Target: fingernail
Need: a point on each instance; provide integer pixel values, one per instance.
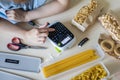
(51, 29)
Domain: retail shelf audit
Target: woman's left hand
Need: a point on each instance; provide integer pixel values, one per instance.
(17, 15)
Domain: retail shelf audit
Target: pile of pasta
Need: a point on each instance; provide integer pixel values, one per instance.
(111, 23)
(96, 72)
(87, 15)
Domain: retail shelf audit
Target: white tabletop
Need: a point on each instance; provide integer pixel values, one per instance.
(92, 33)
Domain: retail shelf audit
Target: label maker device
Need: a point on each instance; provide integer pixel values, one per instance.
(61, 38)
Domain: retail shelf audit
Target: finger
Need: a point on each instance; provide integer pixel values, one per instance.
(44, 26)
(51, 29)
(10, 12)
(42, 39)
(11, 16)
(42, 30)
(43, 35)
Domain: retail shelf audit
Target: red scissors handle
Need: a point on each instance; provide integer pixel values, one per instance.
(16, 44)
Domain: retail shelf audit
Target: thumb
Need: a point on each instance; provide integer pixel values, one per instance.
(44, 26)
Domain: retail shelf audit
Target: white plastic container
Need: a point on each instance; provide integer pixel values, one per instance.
(10, 76)
(99, 63)
(90, 19)
(100, 53)
(19, 62)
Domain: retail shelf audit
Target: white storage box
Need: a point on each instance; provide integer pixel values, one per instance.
(99, 52)
(95, 72)
(87, 15)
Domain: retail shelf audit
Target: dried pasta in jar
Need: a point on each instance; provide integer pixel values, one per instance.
(87, 15)
(112, 24)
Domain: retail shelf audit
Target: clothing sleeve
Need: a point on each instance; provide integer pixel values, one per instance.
(29, 5)
(33, 4)
(10, 4)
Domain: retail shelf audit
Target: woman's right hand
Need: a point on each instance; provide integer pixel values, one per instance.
(37, 36)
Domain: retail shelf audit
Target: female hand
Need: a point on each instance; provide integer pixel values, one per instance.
(17, 15)
(37, 36)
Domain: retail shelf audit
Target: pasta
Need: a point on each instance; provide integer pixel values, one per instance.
(87, 15)
(111, 23)
(117, 50)
(96, 72)
(69, 63)
(107, 45)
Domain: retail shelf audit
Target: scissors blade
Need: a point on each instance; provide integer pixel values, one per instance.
(36, 47)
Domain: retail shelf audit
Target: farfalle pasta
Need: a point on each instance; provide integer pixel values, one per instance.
(87, 15)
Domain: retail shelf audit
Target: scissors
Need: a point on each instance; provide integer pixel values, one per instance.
(17, 45)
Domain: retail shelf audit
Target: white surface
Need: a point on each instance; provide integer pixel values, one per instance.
(5, 76)
(92, 32)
